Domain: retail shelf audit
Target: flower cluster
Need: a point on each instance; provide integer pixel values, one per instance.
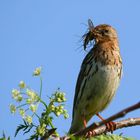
(32, 97)
(59, 96)
(24, 97)
(16, 95)
(56, 104)
(27, 101)
(41, 129)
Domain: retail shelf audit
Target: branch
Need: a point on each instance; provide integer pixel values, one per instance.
(121, 124)
(102, 129)
(112, 118)
(98, 128)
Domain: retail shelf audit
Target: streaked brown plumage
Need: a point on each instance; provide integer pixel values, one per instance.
(99, 76)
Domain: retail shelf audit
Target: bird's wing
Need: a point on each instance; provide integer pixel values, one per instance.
(83, 72)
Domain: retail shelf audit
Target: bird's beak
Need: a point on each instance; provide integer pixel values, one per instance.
(94, 33)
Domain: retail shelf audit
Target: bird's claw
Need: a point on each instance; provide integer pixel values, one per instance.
(90, 134)
(111, 126)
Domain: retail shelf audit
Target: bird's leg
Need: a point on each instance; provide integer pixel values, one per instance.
(85, 123)
(89, 133)
(110, 125)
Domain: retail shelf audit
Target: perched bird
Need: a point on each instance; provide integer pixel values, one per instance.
(99, 76)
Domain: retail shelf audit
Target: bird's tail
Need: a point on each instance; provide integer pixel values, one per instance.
(76, 126)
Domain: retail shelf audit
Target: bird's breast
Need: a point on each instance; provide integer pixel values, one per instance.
(100, 86)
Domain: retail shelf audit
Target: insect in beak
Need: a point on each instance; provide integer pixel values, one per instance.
(89, 36)
(90, 25)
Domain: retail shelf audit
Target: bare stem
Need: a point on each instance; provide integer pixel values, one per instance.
(40, 93)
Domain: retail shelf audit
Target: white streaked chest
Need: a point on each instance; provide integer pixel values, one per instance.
(100, 85)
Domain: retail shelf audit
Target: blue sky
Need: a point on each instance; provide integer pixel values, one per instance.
(47, 33)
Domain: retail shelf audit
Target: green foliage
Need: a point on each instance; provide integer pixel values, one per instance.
(104, 137)
(26, 104)
(26, 127)
(4, 137)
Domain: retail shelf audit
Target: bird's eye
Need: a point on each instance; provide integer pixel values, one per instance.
(106, 31)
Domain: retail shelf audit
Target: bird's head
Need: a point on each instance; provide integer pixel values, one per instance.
(103, 33)
(100, 33)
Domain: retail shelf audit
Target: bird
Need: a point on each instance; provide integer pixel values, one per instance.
(99, 76)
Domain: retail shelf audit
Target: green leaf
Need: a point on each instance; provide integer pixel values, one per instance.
(25, 127)
(4, 137)
(34, 137)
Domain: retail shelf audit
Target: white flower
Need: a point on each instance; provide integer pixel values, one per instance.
(29, 101)
(37, 71)
(66, 115)
(19, 98)
(32, 95)
(22, 84)
(33, 107)
(12, 108)
(15, 93)
(28, 119)
(58, 113)
(52, 107)
(22, 112)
